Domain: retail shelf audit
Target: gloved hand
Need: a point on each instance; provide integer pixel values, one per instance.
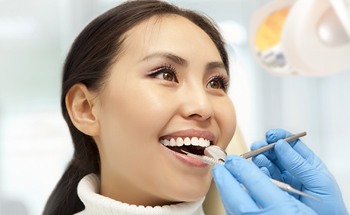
(294, 163)
(263, 198)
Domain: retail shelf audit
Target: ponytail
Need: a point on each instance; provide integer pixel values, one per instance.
(64, 198)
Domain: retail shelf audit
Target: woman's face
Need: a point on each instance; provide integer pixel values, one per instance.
(168, 83)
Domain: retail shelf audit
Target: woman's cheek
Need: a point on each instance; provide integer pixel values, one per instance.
(228, 121)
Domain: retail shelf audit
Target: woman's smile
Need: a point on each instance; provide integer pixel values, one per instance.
(190, 140)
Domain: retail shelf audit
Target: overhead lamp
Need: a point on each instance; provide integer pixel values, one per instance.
(302, 37)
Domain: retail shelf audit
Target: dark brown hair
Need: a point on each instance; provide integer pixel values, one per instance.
(88, 60)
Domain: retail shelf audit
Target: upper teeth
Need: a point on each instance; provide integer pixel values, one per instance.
(195, 141)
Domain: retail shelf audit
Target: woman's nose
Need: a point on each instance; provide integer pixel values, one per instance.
(196, 104)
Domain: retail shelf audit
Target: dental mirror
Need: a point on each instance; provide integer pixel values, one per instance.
(215, 152)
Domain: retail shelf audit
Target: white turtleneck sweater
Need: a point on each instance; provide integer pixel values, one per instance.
(88, 192)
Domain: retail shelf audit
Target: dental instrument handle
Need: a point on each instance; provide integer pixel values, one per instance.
(283, 186)
(270, 146)
(290, 189)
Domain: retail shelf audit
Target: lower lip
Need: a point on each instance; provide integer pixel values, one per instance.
(186, 159)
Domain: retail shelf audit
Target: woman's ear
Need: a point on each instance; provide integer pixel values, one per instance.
(81, 105)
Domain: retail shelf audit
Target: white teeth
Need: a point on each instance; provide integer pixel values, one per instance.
(195, 141)
(186, 141)
(172, 142)
(201, 142)
(179, 141)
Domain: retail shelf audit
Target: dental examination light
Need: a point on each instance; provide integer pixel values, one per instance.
(302, 37)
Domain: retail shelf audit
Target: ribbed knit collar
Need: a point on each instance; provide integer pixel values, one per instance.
(88, 189)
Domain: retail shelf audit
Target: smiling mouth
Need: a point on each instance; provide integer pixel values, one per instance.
(193, 145)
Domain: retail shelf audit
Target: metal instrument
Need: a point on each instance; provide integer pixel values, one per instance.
(215, 155)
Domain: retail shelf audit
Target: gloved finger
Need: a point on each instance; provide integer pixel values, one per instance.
(265, 171)
(274, 135)
(274, 172)
(270, 154)
(235, 199)
(260, 187)
(298, 145)
(296, 164)
(262, 161)
(288, 178)
(307, 154)
(303, 150)
(257, 145)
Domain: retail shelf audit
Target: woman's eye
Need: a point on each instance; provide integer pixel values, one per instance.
(215, 84)
(166, 73)
(218, 82)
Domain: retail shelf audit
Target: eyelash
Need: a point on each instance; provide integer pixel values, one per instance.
(223, 81)
(162, 70)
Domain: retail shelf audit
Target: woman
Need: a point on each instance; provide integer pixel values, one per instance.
(139, 79)
(145, 80)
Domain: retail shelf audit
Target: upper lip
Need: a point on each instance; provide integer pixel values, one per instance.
(191, 133)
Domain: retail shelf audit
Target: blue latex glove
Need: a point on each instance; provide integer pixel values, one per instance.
(263, 198)
(294, 163)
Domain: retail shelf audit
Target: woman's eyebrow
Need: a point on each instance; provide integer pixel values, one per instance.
(215, 65)
(181, 61)
(176, 59)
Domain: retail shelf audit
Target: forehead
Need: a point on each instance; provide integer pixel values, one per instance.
(168, 33)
